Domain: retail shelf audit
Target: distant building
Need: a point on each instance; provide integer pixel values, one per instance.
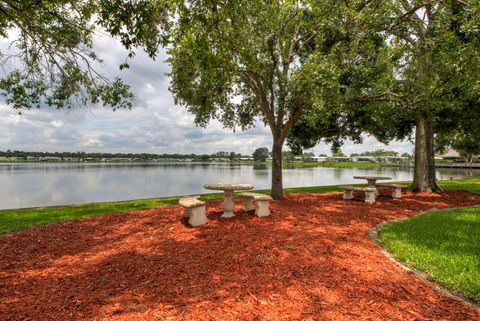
(451, 154)
(339, 159)
(32, 158)
(390, 159)
(319, 159)
(50, 159)
(221, 159)
(382, 159)
(363, 159)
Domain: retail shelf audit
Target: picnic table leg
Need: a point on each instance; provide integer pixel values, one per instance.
(371, 184)
(370, 197)
(228, 205)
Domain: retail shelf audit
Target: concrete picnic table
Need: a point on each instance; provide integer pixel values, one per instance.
(371, 181)
(228, 188)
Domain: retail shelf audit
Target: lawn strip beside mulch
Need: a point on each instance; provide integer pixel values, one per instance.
(452, 292)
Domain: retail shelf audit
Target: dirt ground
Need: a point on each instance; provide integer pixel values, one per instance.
(311, 259)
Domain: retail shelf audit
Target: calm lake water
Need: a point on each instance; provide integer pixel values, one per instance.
(46, 184)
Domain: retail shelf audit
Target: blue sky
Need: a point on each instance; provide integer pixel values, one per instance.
(155, 125)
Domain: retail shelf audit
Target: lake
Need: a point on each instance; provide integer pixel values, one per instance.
(47, 184)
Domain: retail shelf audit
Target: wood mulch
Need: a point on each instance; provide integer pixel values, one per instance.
(311, 259)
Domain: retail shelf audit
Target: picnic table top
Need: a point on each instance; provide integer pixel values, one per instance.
(371, 177)
(228, 186)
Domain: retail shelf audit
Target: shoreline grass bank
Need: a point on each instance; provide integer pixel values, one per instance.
(12, 220)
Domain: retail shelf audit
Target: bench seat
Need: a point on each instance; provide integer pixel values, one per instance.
(396, 189)
(369, 193)
(261, 201)
(193, 209)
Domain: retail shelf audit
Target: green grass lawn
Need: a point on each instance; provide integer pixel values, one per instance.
(471, 184)
(445, 244)
(15, 220)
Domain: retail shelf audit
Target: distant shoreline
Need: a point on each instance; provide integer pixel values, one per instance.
(253, 163)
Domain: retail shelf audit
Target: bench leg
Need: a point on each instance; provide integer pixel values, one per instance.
(262, 208)
(197, 216)
(370, 197)
(187, 212)
(347, 194)
(247, 204)
(397, 193)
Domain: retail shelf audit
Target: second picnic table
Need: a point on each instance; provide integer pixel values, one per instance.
(371, 180)
(228, 188)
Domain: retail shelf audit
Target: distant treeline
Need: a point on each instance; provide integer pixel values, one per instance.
(132, 156)
(381, 152)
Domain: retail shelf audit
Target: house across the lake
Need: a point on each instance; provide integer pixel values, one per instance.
(452, 155)
(50, 159)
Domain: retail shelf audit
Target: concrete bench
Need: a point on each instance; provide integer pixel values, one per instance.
(369, 193)
(194, 209)
(396, 189)
(261, 203)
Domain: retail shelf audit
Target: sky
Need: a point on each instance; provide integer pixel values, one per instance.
(154, 125)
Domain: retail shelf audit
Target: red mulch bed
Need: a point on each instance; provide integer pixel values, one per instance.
(311, 259)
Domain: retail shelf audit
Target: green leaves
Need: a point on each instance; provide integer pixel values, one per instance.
(20, 92)
(136, 23)
(395, 62)
(51, 61)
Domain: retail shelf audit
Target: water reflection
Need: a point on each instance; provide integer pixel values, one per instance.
(43, 184)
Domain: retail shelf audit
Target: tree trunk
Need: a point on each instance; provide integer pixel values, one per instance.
(277, 184)
(424, 178)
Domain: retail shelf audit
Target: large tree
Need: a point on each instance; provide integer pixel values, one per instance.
(429, 60)
(437, 61)
(237, 61)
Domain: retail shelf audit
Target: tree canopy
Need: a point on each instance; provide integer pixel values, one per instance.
(51, 60)
(238, 61)
(427, 65)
